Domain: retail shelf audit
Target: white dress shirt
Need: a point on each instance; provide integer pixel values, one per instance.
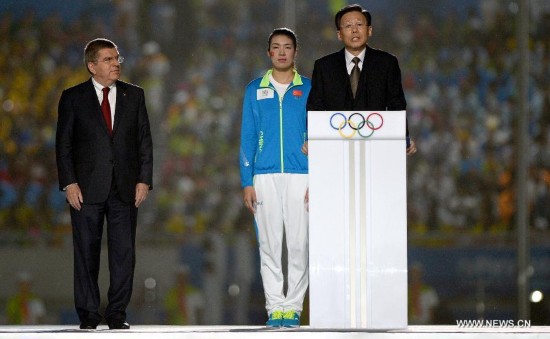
(350, 63)
(112, 97)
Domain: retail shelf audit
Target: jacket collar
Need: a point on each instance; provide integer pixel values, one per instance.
(295, 82)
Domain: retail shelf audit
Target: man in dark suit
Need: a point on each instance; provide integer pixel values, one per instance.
(104, 155)
(378, 77)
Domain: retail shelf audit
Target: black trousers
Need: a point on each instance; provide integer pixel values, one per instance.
(87, 225)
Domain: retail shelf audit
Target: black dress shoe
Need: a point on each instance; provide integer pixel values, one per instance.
(86, 325)
(119, 325)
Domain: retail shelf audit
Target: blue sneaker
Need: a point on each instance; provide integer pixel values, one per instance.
(291, 319)
(275, 319)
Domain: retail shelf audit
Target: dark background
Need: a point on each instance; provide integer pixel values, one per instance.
(459, 62)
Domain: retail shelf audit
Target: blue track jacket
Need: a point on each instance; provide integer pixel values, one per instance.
(273, 129)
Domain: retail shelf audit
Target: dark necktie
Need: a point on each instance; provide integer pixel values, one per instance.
(106, 109)
(354, 75)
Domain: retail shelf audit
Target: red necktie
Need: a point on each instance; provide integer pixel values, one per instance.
(106, 109)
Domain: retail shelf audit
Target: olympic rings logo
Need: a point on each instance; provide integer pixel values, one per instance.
(357, 123)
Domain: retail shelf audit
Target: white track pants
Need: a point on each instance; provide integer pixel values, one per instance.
(281, 204)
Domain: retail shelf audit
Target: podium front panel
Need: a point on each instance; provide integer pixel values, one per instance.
(357, 228)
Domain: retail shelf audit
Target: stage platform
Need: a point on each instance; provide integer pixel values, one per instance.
(253, 332)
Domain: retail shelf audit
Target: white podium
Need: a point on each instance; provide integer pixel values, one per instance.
(357, 220)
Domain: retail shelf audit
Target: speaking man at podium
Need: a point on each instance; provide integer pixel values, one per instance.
(357, 183)
(358, 77)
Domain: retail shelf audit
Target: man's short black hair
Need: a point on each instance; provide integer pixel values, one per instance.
(351, 8)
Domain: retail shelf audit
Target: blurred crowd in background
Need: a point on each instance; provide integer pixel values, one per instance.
(194, 58)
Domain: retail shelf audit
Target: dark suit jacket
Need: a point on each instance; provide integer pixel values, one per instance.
(379, 86)
(87, 155)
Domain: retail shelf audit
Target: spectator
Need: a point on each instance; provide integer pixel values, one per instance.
(25, 307)
(184, 303)
(423, 299)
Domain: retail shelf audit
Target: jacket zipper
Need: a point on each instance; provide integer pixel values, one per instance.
(281, 126)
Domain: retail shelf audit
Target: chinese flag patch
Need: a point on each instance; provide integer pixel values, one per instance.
(297, 93)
